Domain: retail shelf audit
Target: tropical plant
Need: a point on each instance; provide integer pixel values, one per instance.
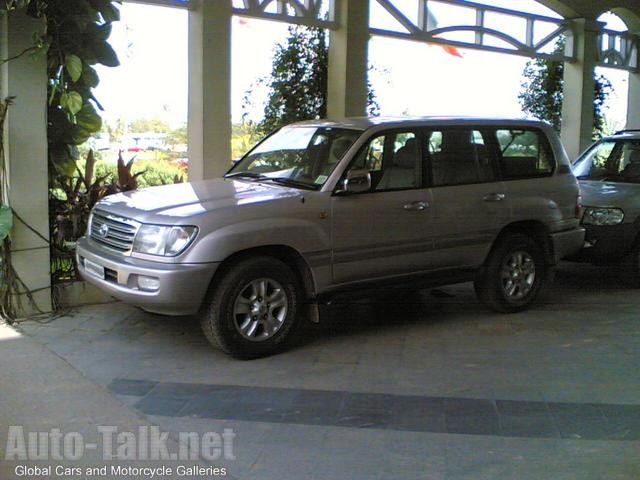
(71, 202)
(151, 173)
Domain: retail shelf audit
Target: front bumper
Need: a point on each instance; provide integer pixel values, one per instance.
(181, 289)
(607, 243)
(566, 243)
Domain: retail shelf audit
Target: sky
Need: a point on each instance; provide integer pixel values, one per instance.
(408, 77)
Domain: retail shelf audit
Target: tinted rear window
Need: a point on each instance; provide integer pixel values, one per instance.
(524, 153)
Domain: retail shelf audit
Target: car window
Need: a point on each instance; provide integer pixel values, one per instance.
(611, 161)
(459, 156)
(393, 160)
(401, 165)
(300, 156)
(524, 153)
(370, 157)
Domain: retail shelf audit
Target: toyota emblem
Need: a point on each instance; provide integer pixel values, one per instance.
(103, 231)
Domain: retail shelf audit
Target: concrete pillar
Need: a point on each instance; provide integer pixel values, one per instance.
(633, 107)
(579, 84)
(26, 151)
(209, 89)
(348, 45)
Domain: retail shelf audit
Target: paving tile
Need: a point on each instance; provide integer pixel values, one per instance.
(181, 390)
(571, 409)
(165, 406)
(469, 406)
(624, 427)
(618, 410)
(583, 426)
(367, 401)
(236, 405)
(528, 425)
(412, 422)
(473, 424)
(510, 407)
(125, 386)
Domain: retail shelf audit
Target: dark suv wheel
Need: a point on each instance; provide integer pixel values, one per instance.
(513, 275)
(633, 266)
(251, 309)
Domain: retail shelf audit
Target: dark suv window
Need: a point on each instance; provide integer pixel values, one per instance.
(524, 153)
(459, 156)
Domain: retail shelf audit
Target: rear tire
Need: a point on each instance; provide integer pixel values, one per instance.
(513, 275)
(251, 308)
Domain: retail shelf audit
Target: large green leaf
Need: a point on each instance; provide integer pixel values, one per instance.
(78, 135)
(73, 64)
(109, 11)
(90, 77)
(88, 119)
(71, 102)
(105, 54)
(6, 221)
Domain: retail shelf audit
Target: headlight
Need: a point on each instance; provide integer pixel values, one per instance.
(163, 240)
(602, 216)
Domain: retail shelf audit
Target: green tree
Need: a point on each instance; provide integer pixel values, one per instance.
(297, 87)
(149, 124)
(115, 129)
(177, 136)
(243, 136)
(542, 93)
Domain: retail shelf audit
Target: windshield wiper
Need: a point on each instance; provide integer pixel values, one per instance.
(244, 174)
(288, 182)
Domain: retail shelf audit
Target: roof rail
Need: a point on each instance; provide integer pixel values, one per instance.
(628, 130)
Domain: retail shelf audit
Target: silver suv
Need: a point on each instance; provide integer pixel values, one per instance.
(609, 175)
(321, 208)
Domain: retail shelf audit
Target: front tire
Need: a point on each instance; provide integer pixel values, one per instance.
(251, 309)
(513, 274)
(633, 266)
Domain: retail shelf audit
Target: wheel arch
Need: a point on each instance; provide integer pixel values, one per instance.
(286, 254)
(535, 229)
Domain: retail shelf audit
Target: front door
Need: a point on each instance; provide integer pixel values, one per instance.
(384, 232)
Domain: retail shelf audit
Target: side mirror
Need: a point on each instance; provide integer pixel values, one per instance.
(357, 181)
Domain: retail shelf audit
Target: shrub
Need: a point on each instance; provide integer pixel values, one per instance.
(154, 173)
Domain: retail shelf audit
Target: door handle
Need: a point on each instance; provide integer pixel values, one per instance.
(494, 197)
(416, 206)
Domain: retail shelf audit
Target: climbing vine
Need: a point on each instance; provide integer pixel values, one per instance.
(74, 37)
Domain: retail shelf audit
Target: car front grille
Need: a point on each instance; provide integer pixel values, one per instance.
(116, 233)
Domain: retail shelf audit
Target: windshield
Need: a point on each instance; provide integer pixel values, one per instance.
(612, 161)
(298, 156)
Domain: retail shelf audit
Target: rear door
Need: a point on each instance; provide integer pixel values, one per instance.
(470, 204)
(527, 166)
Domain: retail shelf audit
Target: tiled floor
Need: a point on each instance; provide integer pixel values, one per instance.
(434, 387)
(467, 416)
